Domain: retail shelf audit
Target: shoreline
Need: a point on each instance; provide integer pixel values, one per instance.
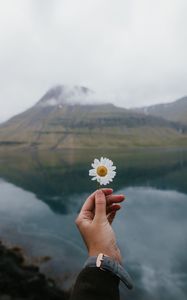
(22, 280)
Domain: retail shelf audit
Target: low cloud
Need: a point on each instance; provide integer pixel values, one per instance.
(129, 51)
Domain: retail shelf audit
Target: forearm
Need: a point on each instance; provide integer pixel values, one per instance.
(94, 283)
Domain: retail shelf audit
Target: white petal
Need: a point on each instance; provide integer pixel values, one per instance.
(106, 177)
(107, 163)
(94, 178)
(102, 160)
(110, 163)
(92, 172)
(113, 171)
(102, 183)
(96, 163)
(113, 168)
(99, 180)
(105, 180)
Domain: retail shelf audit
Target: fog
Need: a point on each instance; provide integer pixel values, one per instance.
(131, 52)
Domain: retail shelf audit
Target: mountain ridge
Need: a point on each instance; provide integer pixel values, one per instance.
(172, 111)
(65, 118)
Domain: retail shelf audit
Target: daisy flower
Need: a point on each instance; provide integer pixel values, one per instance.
(103, 170)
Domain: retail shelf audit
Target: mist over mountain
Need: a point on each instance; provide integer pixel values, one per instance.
(62, 94)
(68, 117)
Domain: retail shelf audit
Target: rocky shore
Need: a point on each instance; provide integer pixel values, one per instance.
(22, 281)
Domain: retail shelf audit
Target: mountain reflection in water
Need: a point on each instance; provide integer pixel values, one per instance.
(41, 194)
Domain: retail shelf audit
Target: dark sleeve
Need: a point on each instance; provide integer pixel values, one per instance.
(96, 284)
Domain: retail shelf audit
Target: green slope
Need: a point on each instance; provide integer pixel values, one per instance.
(88, 126)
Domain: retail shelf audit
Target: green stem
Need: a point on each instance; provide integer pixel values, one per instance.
(98, 185)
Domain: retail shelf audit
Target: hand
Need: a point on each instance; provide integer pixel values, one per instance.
(94, 223)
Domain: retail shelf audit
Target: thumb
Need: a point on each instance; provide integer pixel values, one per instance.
(100, 205)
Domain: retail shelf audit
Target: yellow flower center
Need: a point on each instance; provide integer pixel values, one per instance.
(102, 171)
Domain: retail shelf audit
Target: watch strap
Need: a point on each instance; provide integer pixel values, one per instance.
(107, 263)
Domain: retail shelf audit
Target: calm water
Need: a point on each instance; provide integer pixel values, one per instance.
(40, 195)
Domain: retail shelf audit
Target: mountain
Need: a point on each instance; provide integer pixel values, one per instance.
(174, 111)
(68, 118)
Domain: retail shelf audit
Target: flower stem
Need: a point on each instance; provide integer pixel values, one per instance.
(98, 185)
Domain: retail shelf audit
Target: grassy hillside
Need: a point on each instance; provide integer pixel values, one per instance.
(75, 126)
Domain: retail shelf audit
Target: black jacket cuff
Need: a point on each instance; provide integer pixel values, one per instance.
(94, 283)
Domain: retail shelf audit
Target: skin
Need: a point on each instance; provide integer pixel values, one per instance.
(94, 223)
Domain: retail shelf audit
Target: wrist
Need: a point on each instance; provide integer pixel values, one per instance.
(114, 254)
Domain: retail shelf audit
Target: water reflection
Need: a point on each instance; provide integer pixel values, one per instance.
(155, 242)
(56, 177)
(29, 222)
(41, 194)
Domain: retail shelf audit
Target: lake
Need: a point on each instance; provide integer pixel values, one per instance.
(41, 194)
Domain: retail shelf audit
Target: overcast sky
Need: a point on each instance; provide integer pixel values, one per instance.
(130, 51)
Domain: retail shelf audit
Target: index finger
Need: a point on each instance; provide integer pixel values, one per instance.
(90, 203)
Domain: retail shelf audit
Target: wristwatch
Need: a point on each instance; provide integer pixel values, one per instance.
(105, 262)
